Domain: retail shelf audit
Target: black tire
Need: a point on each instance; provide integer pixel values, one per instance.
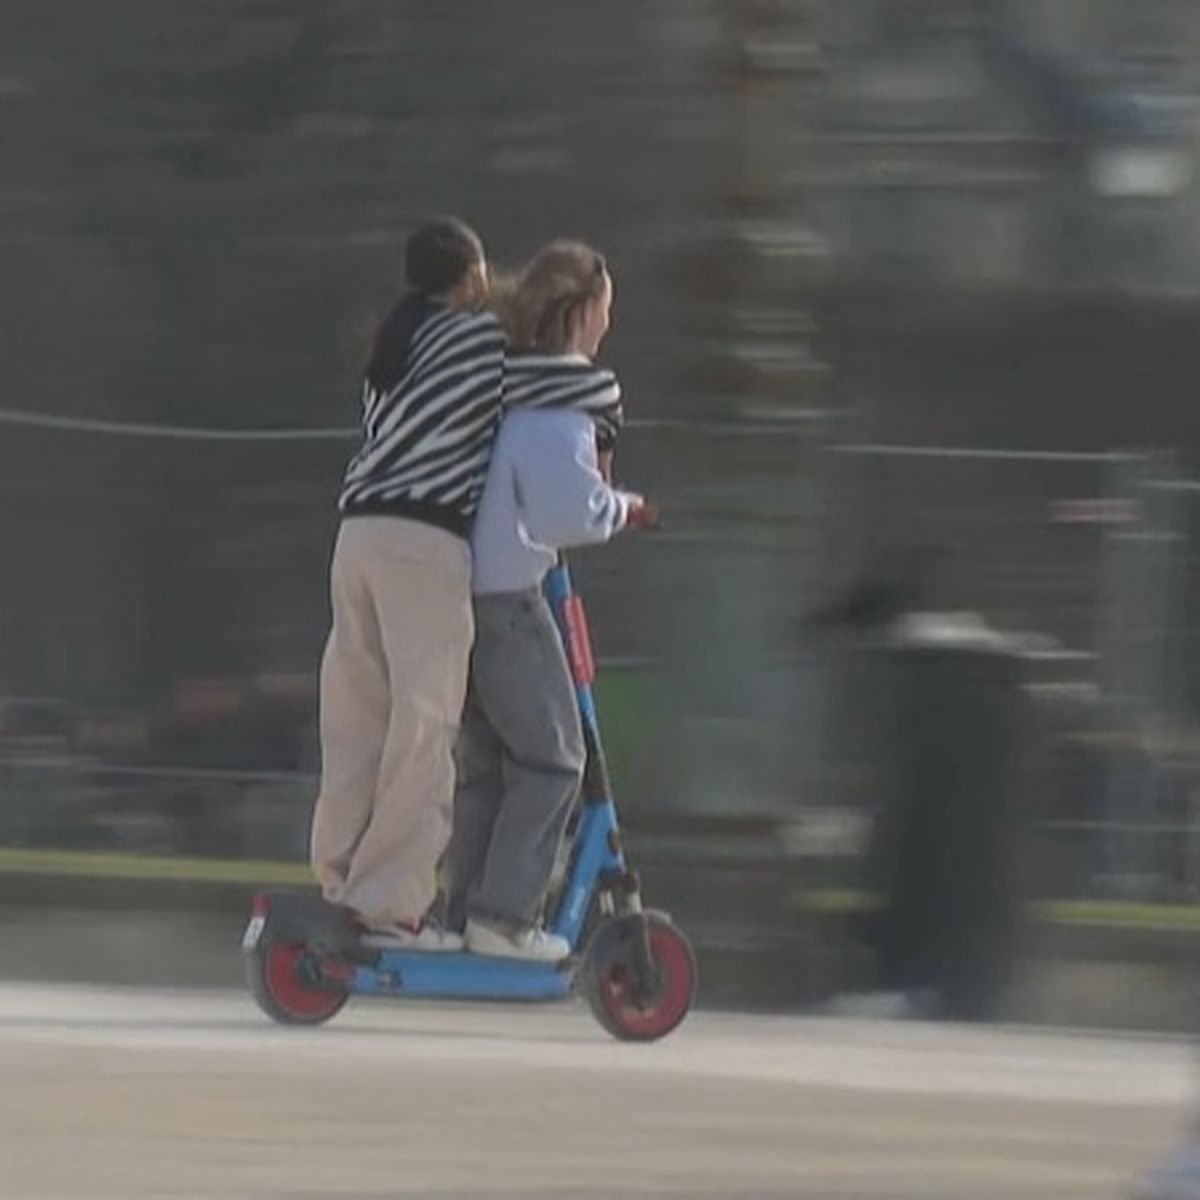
(607, 978)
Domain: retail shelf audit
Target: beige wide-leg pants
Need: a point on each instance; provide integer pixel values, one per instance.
(393, 682)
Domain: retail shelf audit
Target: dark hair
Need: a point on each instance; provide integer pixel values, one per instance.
(389, 352)
(439, 254)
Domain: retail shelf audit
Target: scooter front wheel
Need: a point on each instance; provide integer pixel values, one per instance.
(280, 976)
(639, 1009)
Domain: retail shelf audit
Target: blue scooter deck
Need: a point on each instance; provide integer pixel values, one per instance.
(469, 976)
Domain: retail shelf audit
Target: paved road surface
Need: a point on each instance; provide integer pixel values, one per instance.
(192, 1096)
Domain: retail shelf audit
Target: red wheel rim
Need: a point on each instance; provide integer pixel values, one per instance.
(667, 1006)
(288, 990)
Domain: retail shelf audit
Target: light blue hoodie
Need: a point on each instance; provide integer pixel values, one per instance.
(544, 493)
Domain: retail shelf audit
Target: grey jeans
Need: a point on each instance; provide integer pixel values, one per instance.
(520, 759)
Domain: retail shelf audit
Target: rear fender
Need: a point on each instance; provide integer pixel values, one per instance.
(295, 916)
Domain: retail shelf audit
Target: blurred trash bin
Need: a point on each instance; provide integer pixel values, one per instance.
(954, 747)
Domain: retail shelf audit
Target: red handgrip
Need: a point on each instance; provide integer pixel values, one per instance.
(579, 644)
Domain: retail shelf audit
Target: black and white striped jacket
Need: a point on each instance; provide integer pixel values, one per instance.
(565, 381)
(430, 415)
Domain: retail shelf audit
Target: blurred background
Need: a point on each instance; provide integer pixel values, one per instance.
(906, 307)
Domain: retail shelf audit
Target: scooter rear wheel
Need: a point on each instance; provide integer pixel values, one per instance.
(610, 983)
(279, 975)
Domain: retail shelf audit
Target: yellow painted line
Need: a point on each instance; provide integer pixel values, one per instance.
(1108, 914)
(835, 903)
(152, 867)
(1119, 914)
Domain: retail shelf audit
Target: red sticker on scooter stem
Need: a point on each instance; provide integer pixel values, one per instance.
(579, 644)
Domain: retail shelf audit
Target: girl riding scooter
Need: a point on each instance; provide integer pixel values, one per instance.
(521, 751)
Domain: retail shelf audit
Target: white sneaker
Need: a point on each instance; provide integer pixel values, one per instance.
(431, 938)
(532, 944)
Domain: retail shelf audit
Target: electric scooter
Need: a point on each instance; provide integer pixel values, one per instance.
(304, 957)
